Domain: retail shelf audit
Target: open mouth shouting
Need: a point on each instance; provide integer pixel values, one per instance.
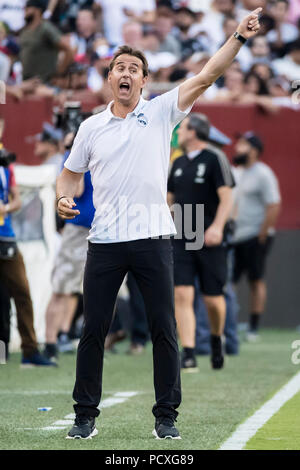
(124, 86)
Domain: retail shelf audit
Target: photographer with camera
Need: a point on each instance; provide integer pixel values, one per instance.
(69, 264)
(12, 269)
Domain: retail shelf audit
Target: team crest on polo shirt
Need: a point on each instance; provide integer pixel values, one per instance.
(142, 120)
(201, 169)
(200, 172)
(178, 172)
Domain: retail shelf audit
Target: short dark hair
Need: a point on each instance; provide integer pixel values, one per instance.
(40, 4)
(294, 46)
(200, 124)
(287, 3)
(262, 86)
(130, 51)
(90, 10)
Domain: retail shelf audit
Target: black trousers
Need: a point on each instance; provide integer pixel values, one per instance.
(139, 325)
(151, 263)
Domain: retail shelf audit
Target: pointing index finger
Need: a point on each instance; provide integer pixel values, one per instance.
(256, 12)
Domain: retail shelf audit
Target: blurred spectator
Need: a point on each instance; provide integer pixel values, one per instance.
(283, 31)
(160, 63)
(255, 85)
(72, 8)
(233, 85)
(164, 24)
(175, 36)
(47, 147)
(189, 42)
(132, 34)
(12, 13)
(100, 66)
(5, 65)
(263, 70)
(289, 66)
(8, 44)
(40, 44)
(12, 72)
(86, 33)
(212, 22)
(116, 13)
(260, 50)
(280, 88)
(249, 89)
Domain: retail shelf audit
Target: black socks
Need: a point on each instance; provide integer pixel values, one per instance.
(254, 321)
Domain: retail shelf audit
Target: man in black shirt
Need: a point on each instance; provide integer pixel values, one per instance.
(201, 176)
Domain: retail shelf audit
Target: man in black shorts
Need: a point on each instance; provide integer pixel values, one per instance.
(257, 209)
(201, 176)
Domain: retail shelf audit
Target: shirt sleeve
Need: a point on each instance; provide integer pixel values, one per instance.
(221, 172)
(52, 34)
(169, 103)
(270, 188)
(78, 160)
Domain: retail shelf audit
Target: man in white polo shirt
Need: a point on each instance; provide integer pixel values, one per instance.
(127, 150)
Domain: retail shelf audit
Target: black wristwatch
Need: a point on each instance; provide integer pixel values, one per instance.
(239, 37)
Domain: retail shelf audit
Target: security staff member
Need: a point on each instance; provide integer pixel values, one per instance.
(127, 150)
(201, 176)
(257, 207)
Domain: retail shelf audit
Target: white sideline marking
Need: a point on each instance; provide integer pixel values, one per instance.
(126, 394)
(63, 422)
(249, 428)
(49, 428)
(50, 392)
(119, 397)
(111, 402)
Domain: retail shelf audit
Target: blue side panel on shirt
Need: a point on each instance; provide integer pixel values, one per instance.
(84, 203)
(6, 230)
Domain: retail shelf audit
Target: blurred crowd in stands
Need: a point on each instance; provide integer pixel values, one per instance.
(62, 48)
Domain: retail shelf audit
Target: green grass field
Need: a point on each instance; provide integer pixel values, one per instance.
(282, 431)
(214, 402)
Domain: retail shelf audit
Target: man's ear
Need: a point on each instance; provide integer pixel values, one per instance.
(145, 79)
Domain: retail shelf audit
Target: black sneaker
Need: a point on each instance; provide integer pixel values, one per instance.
(84, 428)
(188, 364)
(36, 360)
(217, 353)
(51, 352)
(165, 429)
